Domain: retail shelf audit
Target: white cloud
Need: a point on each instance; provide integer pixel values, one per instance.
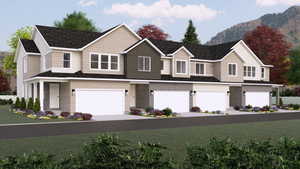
(134, 23)
(163, 9)
(276, 2)
(85, 3)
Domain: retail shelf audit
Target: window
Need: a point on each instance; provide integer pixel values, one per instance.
(263, 73)
(94, 61)
(181, 67)
(249, 71)
(232, 69)
(104, 62)
(114, 62)
(144, 63)
(67, 60)
(199, 68)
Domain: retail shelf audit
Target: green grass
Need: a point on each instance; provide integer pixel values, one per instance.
(175, 139)
(8, 117)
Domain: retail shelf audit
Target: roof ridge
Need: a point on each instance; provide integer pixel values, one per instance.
(66, 29)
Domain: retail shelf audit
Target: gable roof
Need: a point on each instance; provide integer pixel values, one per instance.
(140, 42)
(67, 38)
(29, 46)
(203, 52)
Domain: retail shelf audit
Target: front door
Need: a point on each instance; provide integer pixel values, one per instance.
(54, 95)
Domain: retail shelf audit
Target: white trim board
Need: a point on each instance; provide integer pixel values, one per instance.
(149, 42)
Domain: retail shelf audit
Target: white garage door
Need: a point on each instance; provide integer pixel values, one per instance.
(100, 102)
(178, 101)
(257, 99)
(211, 101)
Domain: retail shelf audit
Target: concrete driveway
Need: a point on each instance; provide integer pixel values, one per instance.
(119, 117)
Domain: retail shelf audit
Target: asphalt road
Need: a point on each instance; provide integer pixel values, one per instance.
(53, 129)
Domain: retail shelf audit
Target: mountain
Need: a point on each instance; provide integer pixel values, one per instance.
(287, 23)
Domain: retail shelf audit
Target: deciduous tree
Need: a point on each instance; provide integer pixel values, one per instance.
(269, 45)
(153, 32)
(294, 71)
(4, 86)
(191, 36)
(77, 21)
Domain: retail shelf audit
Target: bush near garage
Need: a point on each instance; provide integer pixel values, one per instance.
(195, 109)
(6, 101)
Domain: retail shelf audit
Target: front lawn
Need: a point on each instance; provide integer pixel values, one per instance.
(175, 139)
(8, 117)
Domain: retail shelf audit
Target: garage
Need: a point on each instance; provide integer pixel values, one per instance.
(178, 101)
(100, 101)
(257, 99)
(211, 101)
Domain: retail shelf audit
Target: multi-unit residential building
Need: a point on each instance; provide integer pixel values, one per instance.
(109, 72)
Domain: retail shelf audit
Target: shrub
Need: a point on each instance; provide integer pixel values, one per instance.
(265, 108)
(87, 116)
(49, 113)
(157, 112)
(227, 154)
(36, 105)
(149, 109)
(167, 111)
(77, 115)
(237, 108)
(248, 107)
(23, 104)
(17, 103)
(30, 104)
(296, 106)
(65, 114)
(40, 113)
(135, 111)
(195, 109)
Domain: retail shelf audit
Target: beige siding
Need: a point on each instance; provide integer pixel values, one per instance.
(181, 55)
(217, 70)
(232, 58)
(33, 68)
(267, 74)
(167, 66)
(54, 61)
(65, 97)
(114, 43)
(77, 84)
(208, 69)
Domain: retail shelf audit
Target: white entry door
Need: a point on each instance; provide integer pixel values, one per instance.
(211, 101)
(178, 101)
(100, 101)
(54, 95)
(257, 99)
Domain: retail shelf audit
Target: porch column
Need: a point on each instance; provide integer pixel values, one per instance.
(35, 90)
(41, 94)
(277, 95)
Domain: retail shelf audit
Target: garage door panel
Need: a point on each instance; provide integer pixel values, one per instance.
(211, 101)
(257, 99)
(178, 101)
(100, 102)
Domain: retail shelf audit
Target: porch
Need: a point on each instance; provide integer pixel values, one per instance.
(52, 94)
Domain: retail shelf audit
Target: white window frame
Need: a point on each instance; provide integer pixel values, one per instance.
(109, 61)
(64, 60)
(263, 73)
(144, 70)
(236, 69)
(251, 71)
(204, 67)
(25, 64)
(186, 67)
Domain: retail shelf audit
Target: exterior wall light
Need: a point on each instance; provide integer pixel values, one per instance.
(244, 92)
(192, 92)
(126, 92)
(151, 92)
(73, 91)
(228, 92)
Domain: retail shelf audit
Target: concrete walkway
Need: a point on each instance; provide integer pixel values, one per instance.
(54, 129)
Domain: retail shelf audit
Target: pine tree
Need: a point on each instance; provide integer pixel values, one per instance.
(36, 106)
(30, 104)
(23, 104)
(17, 103)
(191, 36)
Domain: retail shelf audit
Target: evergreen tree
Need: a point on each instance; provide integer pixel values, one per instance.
(191, 36)
(30, 104)
(36, 106)
(17, 103)
(23, 104)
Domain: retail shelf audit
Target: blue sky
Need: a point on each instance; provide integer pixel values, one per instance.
(209, 16)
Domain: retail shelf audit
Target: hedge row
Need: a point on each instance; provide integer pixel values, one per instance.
(109, 152)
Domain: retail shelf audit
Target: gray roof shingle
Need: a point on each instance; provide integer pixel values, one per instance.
(29, 46)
